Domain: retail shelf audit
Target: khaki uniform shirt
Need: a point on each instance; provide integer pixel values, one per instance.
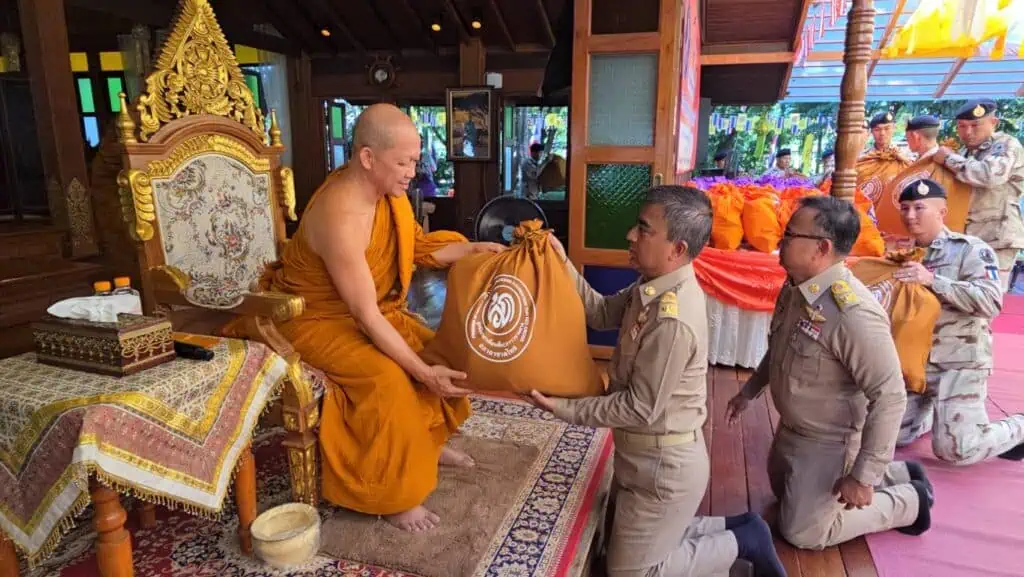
(833, 368)
(658, 372)
(995, 171)
(968, 286)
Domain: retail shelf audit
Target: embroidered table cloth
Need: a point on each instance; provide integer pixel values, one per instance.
(171, 434)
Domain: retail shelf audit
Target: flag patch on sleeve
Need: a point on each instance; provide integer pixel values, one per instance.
(992, 273)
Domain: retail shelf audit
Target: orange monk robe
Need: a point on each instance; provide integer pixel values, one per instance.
(876, 168)
(958, 197)
(380, 434)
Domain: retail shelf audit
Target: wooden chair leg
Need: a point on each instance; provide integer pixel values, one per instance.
(245, 498)
(8, 557)
(147, 516)
(113, 543)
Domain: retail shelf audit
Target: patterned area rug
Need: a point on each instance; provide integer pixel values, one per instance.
(546, 533)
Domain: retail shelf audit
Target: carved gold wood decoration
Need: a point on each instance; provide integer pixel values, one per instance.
(136, 192)
(80, 220)
(197, 73)
(202, 144)
(125, 124)
(288, 192)
(275, 130)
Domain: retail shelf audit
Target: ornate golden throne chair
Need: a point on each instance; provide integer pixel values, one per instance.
(204, 196)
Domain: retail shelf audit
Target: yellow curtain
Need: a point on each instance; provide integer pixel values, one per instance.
(955, 28)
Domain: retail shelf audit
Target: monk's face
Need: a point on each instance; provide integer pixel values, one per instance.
(392, 168)
(883, 135)
(973, 133)
(923, 218)
(651, 252)
(783, 162)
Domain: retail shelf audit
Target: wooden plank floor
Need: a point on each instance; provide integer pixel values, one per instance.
(739, 478)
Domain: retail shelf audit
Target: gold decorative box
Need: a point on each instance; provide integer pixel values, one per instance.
(125, 347)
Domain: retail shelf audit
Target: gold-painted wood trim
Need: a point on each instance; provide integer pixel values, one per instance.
(135, 189)
(288, 192)
(202, 144)
(196, 73)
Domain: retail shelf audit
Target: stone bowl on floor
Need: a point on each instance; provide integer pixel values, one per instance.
(287, 535)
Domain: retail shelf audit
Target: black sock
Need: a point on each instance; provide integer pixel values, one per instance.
(924, 512)
(917, 473)
(754, 543)
(737, 520)
(1014, 454)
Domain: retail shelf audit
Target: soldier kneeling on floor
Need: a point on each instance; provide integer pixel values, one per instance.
(963, 272)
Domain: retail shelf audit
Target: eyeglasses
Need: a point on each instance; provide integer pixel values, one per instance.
(787, 235)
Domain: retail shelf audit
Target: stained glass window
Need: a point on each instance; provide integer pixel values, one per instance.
(114, 87)
(85, 100)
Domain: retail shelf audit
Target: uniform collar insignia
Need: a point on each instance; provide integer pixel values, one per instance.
(654, 288)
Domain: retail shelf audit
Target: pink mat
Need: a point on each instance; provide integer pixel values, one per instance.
(978, 518)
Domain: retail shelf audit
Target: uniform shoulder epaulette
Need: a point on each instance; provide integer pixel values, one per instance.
(668, 305)
(843, 294)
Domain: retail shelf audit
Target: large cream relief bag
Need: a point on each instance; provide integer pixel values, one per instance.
(513, 322)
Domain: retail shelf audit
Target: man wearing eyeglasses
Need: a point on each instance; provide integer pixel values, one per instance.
(836, 381)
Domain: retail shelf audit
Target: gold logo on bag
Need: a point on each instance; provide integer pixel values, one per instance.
(500, 323)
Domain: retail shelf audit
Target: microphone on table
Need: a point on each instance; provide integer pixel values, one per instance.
(190, 351)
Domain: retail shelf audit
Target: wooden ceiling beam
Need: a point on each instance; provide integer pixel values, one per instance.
(460, 24)
(500, 19)
(545, 24)
(950, 76)
(890, 29)
(798, 36)
(285, 26)
(158, 15)
(746, 58)
(338, 24)
(384, 22)
(427, 39)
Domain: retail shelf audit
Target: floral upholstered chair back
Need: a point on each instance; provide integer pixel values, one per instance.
(202, 188)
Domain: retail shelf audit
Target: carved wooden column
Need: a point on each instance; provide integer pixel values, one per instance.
(113, 543)
(245, 498)
(44, 28)
(859, 29)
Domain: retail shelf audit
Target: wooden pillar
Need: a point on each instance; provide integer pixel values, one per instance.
(307, 119)
(45, 33)
(471, 178)
(113, 543)
(859, 30)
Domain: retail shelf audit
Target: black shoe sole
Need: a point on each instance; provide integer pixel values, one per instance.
(924, 512)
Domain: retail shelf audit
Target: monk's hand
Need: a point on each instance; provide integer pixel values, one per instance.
(736, 405)
(853, 493)
(914, 272)
(492, 247)
(542, 402)
(441, 381)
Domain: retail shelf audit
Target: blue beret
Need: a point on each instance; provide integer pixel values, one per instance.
(782, 152)
(923, 121)
(828, 152)
(881, 118)
(922, 189)
(975, 109)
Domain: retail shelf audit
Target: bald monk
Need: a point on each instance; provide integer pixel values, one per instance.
(386, 414)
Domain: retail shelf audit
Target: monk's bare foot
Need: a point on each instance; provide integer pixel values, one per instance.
(454, 458)
(417, 519)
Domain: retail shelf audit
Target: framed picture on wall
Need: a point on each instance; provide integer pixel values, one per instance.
(470, 123)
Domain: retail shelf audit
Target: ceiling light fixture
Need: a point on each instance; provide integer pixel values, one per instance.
(436, 26)
(476, 23)
(325, 32)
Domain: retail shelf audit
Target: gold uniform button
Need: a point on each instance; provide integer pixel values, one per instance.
(649, 291)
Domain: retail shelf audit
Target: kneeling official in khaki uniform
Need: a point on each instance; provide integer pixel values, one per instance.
(836, 381)
(963, 272)
(657, 402)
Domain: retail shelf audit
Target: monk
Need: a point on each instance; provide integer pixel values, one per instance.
(386, 414)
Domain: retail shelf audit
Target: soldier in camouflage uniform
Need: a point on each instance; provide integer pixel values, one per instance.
(993, 164)
(962, 272)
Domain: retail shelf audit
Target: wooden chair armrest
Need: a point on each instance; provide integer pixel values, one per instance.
(169, 285)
